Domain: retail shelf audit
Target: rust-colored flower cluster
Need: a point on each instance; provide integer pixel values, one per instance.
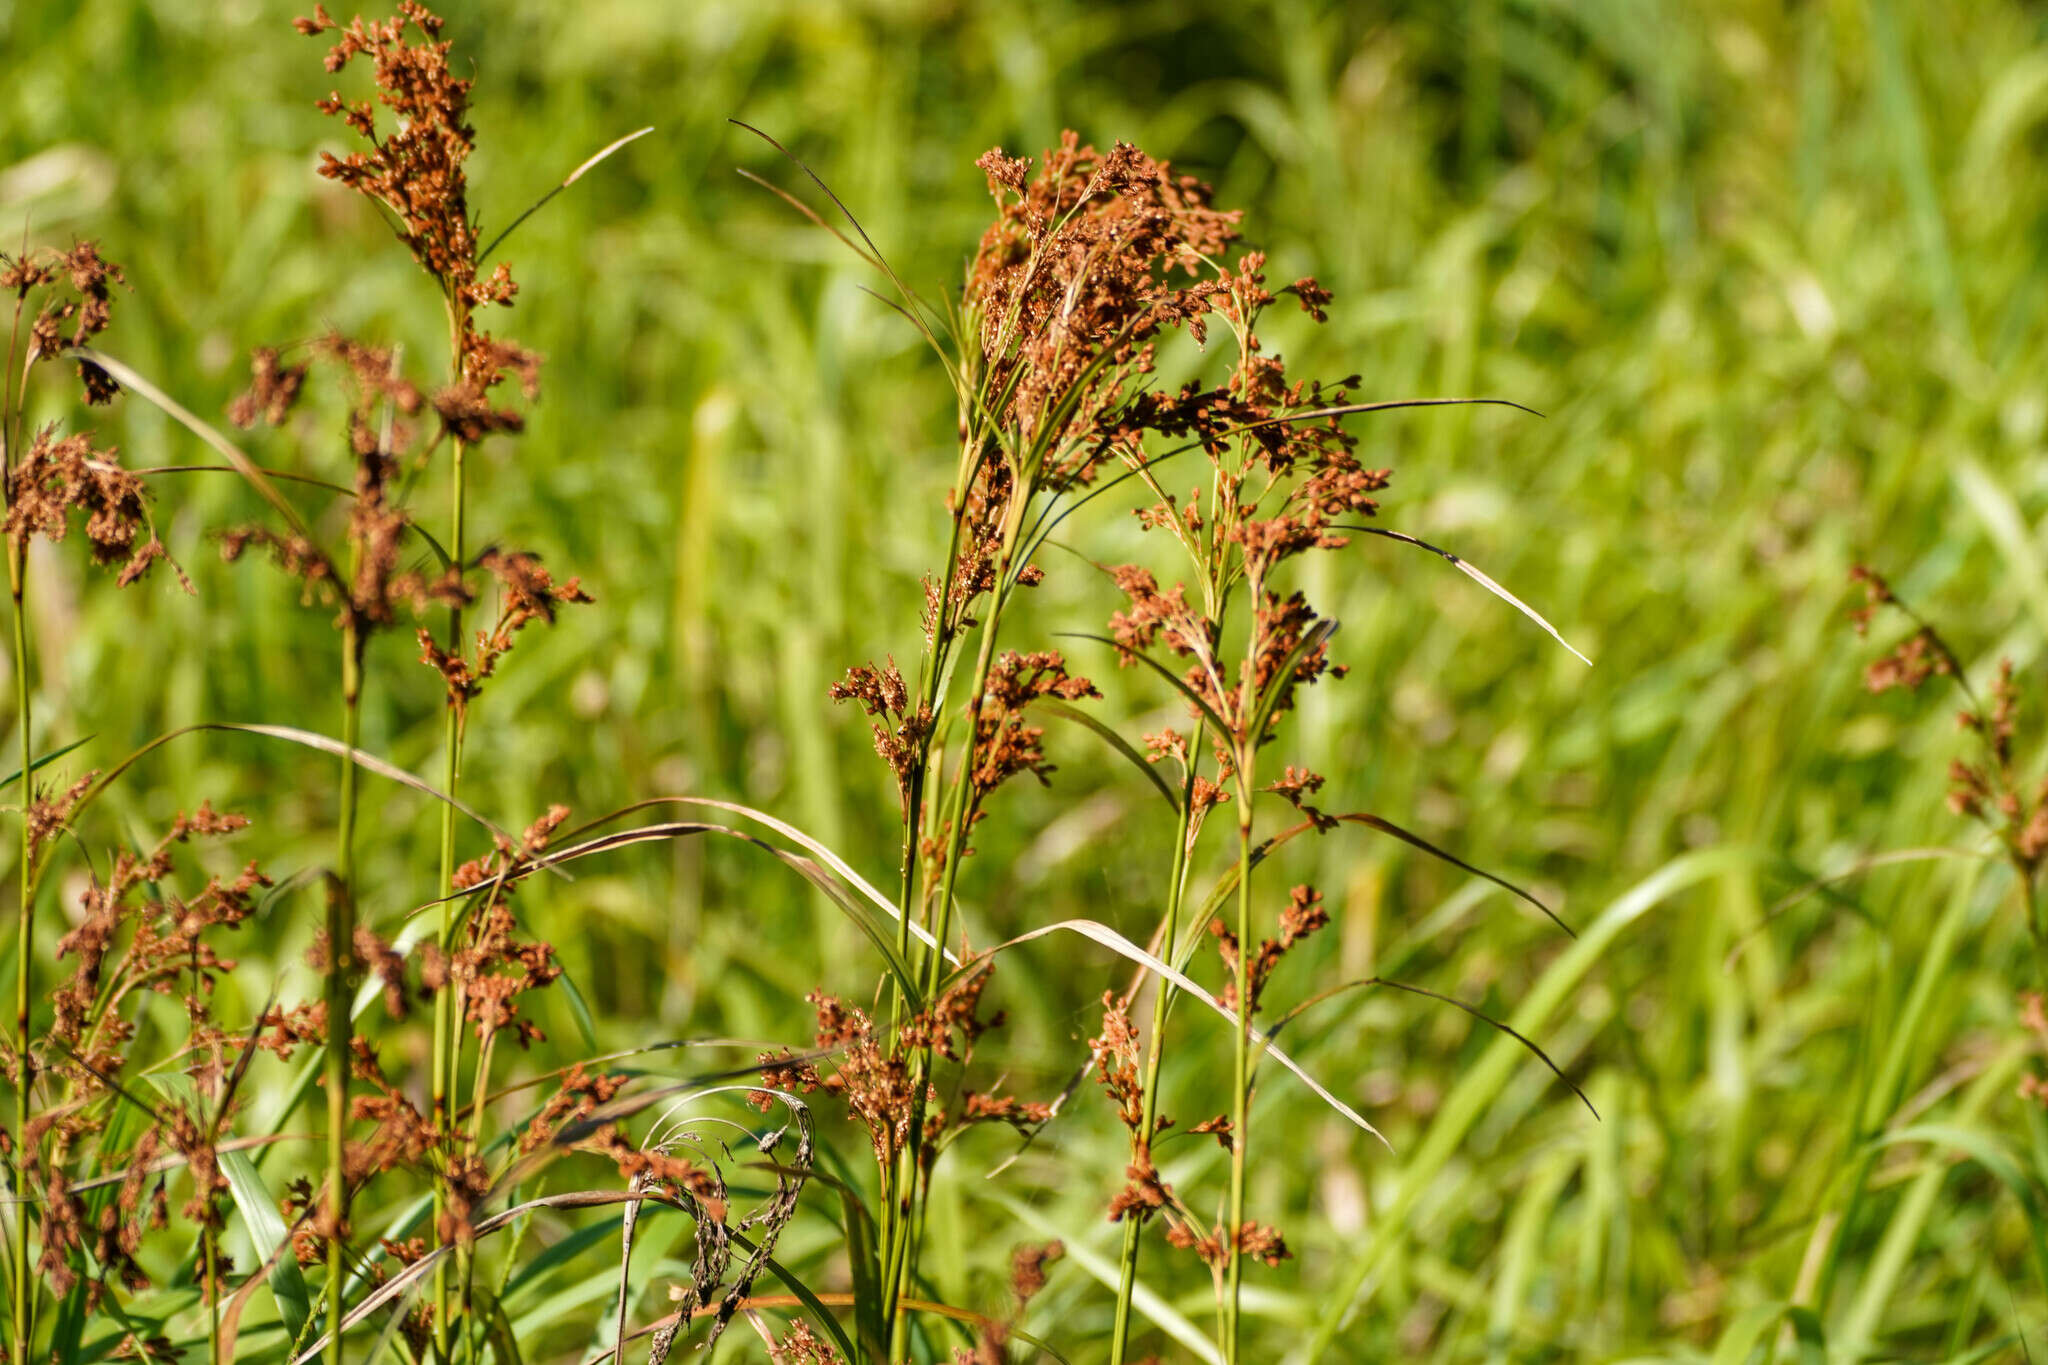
(1004, 743)
(78, 306)
(387, 560)
(1303, 916)
(1085, 264)
(900, 730)
(1118, 1058)
(135, 935)
(415, 169)
(495, 966)
(527, 592)
(1991, 790)
(57, 476)
(874, 1079)
(801, 1346)
(125, 943)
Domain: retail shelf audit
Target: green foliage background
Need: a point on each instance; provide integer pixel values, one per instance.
(1775, 274)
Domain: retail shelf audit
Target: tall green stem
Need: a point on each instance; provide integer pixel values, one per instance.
(209, 1248)
(445, 1022)
(1241, 1080)
(898, 1271)
(341, 985)
(1169, 937)
(24, 976)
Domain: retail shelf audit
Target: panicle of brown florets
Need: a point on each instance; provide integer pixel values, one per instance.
(166, 949)
(495, 966)
(416, 168)
(58, 476)
(1116, 1053)
(800, 1346)
(1004, 744)
(274, 389)
(873, 1084)
(871, 1073)
(135, 934)
(1990, 790)
(900, 731)
(1303, 915)
(581, 1092)
(1084, 266)
(527, 593)
(77, 308)
(1027, 1268)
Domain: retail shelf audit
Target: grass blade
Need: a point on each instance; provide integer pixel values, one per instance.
(1473, 572)
(572, 178)
(1117, 943)
(1069, 711)
(43, 761)
(229, 451)
(1388, 827)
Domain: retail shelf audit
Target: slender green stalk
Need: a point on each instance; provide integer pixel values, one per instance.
(22, 1298)
(897, 1276)
(1240, 1097)
(24, 976)
(890, 1233)
(446, 1023)
(1169, 941)
(466, 1256)
(210, 1248)
(341, 985)
(898, 1268)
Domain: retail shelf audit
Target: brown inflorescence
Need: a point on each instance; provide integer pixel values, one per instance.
(579, 1095)
(416, 170)
(1117, 1059)
(1004, 744)
(1991, 790)
(885, 698)
(527, 593)
(135, 935)
(58, 476)
(415, 167)
(78, 306)
(1303, 916)
(1085, 264)
(800, 1346)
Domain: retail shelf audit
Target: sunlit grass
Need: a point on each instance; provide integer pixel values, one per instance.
(1774, 331)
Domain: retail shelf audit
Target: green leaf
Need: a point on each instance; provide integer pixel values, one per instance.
(1069, 711)
(1472, 571)
(571, 179)
(580, 1009)
(267, 1231)
(861, 1258)
(40, 763)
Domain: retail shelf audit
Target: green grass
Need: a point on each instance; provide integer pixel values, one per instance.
(1774, 278)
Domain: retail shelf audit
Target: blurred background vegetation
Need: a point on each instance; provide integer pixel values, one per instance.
(1774, 272)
